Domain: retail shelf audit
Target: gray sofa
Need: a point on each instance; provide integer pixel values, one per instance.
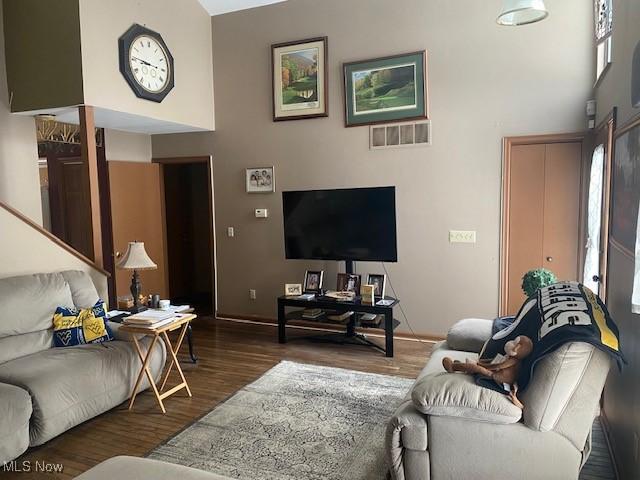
(450, 428)
(45, 391)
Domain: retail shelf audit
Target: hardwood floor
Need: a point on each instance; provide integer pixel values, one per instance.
(231, 356)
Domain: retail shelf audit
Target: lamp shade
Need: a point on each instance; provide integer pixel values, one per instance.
(522, 12)
(136, 258)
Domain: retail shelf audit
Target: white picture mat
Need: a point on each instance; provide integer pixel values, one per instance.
(354, 76)
(309, 108)
(260, 189)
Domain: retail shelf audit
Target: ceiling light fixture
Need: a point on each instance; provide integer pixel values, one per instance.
(522, 12)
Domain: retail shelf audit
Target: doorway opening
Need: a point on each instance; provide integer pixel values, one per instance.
(188, 211)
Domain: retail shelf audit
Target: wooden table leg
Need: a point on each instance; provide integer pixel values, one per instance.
(174, 361)
(145, 358)
(194, 357)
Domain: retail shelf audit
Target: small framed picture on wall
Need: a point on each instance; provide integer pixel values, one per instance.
(313, 281)
(260, 180)
(379, 282)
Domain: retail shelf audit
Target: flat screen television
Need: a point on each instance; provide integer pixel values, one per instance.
(355, 224)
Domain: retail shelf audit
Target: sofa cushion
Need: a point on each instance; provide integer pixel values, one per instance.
(83, 291)
(17, 346)
(101, 377)
(27, 302)
(134, 468)
(457, 395)
(469, 334)
(434, 365)
(15, 411)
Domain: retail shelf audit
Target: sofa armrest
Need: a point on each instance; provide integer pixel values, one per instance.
(117, 334)
(469, 334)
(406, 430)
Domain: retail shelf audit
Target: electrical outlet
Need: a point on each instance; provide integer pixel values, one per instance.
(230, 232)
(252, 294)
(462, 236)
(262, 213)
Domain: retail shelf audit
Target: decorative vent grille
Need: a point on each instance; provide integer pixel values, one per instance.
(399, 135)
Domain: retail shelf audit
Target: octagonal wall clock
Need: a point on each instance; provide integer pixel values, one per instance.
(146, 63)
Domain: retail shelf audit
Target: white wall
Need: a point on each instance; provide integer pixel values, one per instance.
(185, 27)
(19, 182)
(126, 146)
(25, 251)
(485, 82)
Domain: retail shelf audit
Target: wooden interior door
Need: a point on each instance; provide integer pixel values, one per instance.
(137, 215)
(541, 218)
(526, 218)
(561, 241)
(69, 195)
(70, 205)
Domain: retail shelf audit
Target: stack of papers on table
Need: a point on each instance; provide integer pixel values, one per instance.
(151, 318)
(176, 308)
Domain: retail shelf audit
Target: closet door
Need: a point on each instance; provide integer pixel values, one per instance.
(562, 209)
(542, 210)
(526, 217)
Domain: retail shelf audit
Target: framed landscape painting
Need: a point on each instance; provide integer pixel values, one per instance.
(299, 79)
(386, 89)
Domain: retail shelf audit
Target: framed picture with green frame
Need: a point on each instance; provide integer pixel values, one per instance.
(387, 89)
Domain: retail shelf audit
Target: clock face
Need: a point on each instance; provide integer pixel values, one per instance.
(149, 63)
(146, 63)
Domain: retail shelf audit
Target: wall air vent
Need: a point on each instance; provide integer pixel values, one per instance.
(399, 135)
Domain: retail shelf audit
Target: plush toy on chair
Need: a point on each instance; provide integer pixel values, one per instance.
(503, 369)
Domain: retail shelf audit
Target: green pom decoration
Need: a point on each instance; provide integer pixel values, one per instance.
(534, 280)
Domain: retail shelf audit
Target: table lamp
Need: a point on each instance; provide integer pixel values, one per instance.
(136, 258)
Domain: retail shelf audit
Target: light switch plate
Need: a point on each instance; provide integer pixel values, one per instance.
(462, 236)
(262, 213)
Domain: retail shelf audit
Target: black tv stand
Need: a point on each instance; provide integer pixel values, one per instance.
(350, 336)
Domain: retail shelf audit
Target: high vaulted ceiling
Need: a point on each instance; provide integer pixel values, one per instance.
(217, 7)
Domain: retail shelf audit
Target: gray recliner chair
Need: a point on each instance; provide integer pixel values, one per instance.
(450, 428)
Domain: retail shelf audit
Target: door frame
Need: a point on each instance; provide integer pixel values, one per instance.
(162, 161)
(507, 144)
(604, 133)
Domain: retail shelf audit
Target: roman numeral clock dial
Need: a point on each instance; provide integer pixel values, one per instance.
(146, 63)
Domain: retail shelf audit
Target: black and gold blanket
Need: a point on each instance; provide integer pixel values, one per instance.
(558, 314)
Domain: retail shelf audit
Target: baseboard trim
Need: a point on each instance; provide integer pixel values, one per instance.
(323, 327)
(607, 437)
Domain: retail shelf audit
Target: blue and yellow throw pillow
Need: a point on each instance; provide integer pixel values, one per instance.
(73, 327)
